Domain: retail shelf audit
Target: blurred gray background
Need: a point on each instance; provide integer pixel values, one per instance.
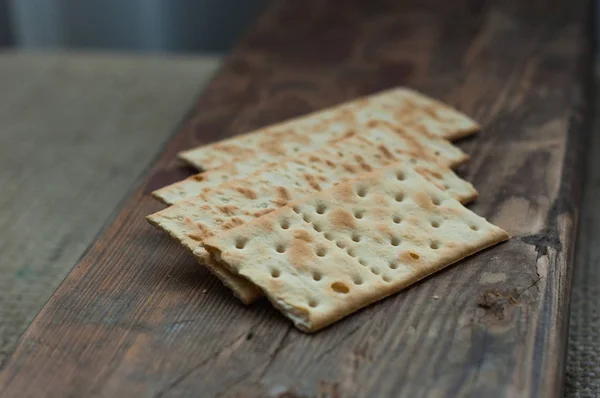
(207, 26)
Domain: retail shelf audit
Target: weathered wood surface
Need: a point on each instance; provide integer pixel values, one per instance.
(67, 159)
(137, 317)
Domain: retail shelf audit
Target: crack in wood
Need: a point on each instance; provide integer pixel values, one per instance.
(224, 353)
(338, 343)
(275, 353)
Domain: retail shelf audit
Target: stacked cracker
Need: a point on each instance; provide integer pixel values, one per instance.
(327, 213)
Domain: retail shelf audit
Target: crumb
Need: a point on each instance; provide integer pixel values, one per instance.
(204, 291)
(436, 297)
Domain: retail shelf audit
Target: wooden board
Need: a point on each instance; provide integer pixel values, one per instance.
(51, 207)
(137, 317)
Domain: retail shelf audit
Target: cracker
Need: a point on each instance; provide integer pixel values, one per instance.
(327, 255)
(398, 106)
(235, 203)
(410, 141)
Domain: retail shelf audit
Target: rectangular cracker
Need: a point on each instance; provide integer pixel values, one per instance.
(193, 220)
(320, 258)
(401, 107)
(409, 141)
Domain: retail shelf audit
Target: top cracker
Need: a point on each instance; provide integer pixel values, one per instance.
(399, 106)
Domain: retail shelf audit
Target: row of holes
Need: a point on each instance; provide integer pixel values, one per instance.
(241, 242)
(359, 214)
(362, 192)
(322, 252)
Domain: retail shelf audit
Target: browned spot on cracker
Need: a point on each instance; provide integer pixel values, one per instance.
(423, 200)
(300, 138)
(344, 136)
(199, 233)
(409, 105)
(196, 236)
(364, 165)
(272, 146)
(274, 283)
(283, 193)
(345, 193)
(382, 148)
(435, 174)
(247, 192)
(341, 219)
(380, 212)
(300, 254)
(451, 212)
(426, 173)
(420, 128)
(227, 209)
(409, 257)
(349, 168)
(260, 213)
(430, 112)
(414, 145)
(232, 223)
(280, 201)
(384, 229)
(330, 163)
(312, 181)
(198, 177)
(302, 235)
(381, 200)
(266, 223)
(231, 149)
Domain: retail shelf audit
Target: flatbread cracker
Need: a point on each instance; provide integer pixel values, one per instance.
(238, 202)
(398, 106)
(327, 255)
(419, 143)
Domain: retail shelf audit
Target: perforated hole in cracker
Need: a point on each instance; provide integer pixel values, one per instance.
(321, 208)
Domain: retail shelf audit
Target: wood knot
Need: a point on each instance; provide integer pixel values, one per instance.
(496, 303)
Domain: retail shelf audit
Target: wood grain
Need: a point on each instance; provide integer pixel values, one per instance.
(137, 317)
(68, 159)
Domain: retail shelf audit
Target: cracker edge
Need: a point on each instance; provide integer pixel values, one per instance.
(231, 280)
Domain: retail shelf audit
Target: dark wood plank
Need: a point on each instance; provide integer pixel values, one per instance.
(137, 317)
(50, 209)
